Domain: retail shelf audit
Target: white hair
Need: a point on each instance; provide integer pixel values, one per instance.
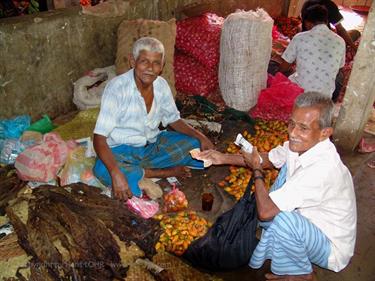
(320, 101)
(149, 44)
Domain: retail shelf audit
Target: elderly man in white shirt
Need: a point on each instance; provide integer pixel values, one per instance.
(319, 53)
(127, 138)
(309, 214)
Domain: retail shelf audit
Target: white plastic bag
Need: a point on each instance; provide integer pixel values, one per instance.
(88, 89)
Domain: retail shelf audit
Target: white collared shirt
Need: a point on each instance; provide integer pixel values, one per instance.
(319, 54)
(320, 187)
(123, 116)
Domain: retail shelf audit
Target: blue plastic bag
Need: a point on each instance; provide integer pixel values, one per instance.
(11, 148)
(13, 128)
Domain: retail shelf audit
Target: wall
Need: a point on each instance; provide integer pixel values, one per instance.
(42, 55)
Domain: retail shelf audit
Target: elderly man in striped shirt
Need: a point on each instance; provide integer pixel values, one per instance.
(127, 138)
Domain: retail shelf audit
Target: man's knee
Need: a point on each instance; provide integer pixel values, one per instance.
(194, 142)
(288, 221)
(282, 216)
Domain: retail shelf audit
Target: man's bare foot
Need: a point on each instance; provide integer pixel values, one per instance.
(303, 277)
(179, 171)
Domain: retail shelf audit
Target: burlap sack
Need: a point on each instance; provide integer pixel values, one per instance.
(245, 48)
(151, 188)
(131, 30)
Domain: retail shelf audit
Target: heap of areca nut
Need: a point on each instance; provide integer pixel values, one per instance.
(268, 134)
(179, 230)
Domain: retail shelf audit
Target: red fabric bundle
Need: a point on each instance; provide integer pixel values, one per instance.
(200, 38)
(192, 77)
(276, 102)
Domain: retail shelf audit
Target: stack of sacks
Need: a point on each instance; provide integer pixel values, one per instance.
(197, 54)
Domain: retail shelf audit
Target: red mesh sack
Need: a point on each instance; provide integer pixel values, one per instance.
(276, 102)
(193, 78)
(200, 38)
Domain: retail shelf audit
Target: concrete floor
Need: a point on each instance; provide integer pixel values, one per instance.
(362, 265)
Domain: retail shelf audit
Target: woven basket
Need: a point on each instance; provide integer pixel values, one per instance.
(245, 48)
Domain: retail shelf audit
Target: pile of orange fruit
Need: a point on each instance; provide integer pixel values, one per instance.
(268, 134)
(179, 230)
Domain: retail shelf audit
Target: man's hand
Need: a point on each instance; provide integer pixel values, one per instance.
(216, 157)
(252, 160)
(120, 186)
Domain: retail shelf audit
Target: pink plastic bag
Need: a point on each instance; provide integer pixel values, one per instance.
(41, 162)
(276, 102)
(145, 208)
(175, 200)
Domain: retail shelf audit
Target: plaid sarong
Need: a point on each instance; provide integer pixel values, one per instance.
(171, 149)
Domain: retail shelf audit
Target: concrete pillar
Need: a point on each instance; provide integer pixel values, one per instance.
(360, 92)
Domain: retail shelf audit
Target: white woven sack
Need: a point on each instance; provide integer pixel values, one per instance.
(245, 51)
(85, 96)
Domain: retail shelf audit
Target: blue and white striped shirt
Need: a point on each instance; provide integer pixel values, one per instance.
(123, 116)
